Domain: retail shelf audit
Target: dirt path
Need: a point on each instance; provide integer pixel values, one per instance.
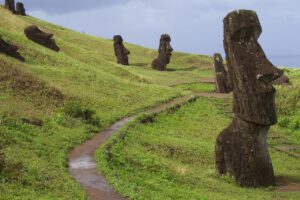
(83, 167)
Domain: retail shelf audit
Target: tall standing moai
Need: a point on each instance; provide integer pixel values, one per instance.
(20, 10)
(165, 52)
(221, 77)
(10, 5)
(242, 148)
(120, 50)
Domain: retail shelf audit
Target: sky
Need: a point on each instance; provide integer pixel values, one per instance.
(196, 26)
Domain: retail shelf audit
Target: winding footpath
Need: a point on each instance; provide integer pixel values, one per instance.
(83, 167)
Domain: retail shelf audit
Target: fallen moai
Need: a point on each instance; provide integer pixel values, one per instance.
(120, 50)
(242, 148)
(165, 53)
(45, 39)
(10, 50)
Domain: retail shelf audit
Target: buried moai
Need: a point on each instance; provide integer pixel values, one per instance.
(10, 50)
(10, 5)
(221, 76)
(242, 149)
(20, 10)
(120, 50)
(45, 39)
(165, 53)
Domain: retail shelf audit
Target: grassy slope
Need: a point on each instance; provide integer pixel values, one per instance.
(54, 101)
(172, 157)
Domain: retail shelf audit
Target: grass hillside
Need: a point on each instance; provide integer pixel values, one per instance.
(54, 101)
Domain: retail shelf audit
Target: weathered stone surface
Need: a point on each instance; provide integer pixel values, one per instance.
(221, 76)
(20, 10)
(165, 53)
(241, 149)
(10, 5)
(45, 39)
(10, 50)
(282, 80)
(120, 50)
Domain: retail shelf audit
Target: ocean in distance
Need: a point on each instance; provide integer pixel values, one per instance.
(285, 60)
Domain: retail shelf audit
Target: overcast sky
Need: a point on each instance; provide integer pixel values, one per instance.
(196, 26)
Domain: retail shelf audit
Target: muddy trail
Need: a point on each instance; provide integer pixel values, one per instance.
(83, 167)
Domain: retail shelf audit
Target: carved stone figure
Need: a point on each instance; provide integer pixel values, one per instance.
(10, 50)
(221, 77)
(45, 39)
(242, 149)
(120, 50)
(165, 53)
(20, 10)
(10, 5)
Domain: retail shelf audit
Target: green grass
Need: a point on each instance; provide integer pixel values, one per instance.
(172, 157)
(55, 101)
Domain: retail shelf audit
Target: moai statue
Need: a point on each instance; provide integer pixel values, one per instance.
(10, 50)
(20, 10)
(242, 148)
(165, 53)
(10, 5)
(221, 76)
(120, 50)
(45, 39)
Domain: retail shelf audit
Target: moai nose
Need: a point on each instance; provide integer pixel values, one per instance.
(267, 72)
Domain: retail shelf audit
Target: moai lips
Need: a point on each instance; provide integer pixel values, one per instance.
(45, 39)
(10, 5)
(221, 77)
(241, 149)
(10, 50)
(20, 10)
(165, 52)
(120, 50)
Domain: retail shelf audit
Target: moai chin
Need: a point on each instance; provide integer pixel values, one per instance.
(10, 50)
(20, 10)
(10, 5)
(34, 34)
(120, 50)
(221, 76)
(242, 149)
(165, 52)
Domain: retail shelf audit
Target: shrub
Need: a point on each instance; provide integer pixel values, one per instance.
(83, 111)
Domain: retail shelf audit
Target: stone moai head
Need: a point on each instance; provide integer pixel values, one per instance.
(45, 39)
(20, 10)
(218, 64)
(165, 53)
(250, 71)
(165, 48)
(120, 51)
(10, 50)
(10, 5)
